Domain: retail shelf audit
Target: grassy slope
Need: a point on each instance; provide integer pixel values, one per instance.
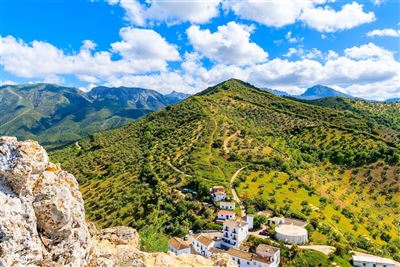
(294, 152)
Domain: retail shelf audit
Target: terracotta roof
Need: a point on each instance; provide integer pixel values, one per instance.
(240, 254)
(260, 258)
(266, 248)
(219, 193)
(248, 256)
(204, 240)
(235, 223)
(227, 203)
(218, 187)
(226, 212)
(178, 243)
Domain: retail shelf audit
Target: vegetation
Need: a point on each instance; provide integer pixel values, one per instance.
(329, 166)
(56, 115)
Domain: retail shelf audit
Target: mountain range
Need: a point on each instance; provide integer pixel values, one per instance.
(56, 115)
(332, 162)
(319, 91)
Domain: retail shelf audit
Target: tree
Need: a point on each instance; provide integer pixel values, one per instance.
(259, 220)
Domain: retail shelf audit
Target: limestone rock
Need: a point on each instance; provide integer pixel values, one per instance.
(42, 220)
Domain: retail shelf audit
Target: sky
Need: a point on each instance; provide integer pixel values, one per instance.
(165, 45)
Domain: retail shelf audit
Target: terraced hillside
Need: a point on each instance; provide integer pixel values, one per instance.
(56, 115)
(328, 166)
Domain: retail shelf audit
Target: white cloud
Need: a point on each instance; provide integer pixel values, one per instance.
(326, 19)
(142, 44)
(368, 51)
(171, 12)
(140, 51)
(7, 82)
(291, 39)
(230, 44)
(270, 13)
(384, 33)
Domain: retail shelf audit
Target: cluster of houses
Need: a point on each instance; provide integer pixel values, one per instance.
(235, 232)
(230, 240)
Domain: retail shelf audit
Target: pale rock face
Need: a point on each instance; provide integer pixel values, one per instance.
(42, 220)
(41, 210)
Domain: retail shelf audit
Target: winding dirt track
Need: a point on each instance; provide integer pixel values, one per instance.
(234, 194)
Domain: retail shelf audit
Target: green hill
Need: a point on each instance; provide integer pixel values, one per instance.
(328, 166)
(56, 115)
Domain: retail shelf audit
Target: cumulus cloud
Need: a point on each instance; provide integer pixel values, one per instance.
(384, 33)
(326, 19)
(292, 39)
(172, 12)
(368, 51)
(140, 51)
(230, 44)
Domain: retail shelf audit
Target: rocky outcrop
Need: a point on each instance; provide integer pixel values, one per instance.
(42, 220)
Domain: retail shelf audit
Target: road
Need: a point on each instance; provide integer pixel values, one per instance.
(234, 194)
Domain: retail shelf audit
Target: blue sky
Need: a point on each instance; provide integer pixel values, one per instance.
(353, 46)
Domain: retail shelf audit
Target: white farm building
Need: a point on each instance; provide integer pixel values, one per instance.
(291, 234)
(372, 261)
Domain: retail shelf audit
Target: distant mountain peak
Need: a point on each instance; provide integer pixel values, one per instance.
(321, 91)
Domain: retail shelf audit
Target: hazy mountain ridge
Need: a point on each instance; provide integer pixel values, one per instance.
(56, 115)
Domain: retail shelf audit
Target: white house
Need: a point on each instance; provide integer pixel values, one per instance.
(273, 253)
(247, 259)
(227, 205)
(218, 196)
(203, 245)
(250, 221)
(226, 215)
(234, 233)
(178, 246)
(372, 261)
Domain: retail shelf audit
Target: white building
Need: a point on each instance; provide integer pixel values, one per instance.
(234, 233)
(227, 205)
(250, 221)
(273, 253)
(178, 246)
(226, 215)
(218, 196)
(203, 245)
(372, 261)
(247, 259)
(291, 234)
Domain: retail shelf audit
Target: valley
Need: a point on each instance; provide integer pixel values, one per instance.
(330, 166)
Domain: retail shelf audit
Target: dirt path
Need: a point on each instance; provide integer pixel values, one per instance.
(234, 194)
(176, 169)
(78, 145)
(227, 140)
(321, 248)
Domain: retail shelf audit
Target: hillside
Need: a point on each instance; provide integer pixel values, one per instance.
(56, 115)
(328, 166)
(384, 117)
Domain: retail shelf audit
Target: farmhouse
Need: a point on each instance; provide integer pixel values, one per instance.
(269, 251)
(218, 193)
(291, 234)
(246, 259)
(202, 244)
(178, 246)
(226, 215)
(372, 261)
(234, 233)
(227, 205)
